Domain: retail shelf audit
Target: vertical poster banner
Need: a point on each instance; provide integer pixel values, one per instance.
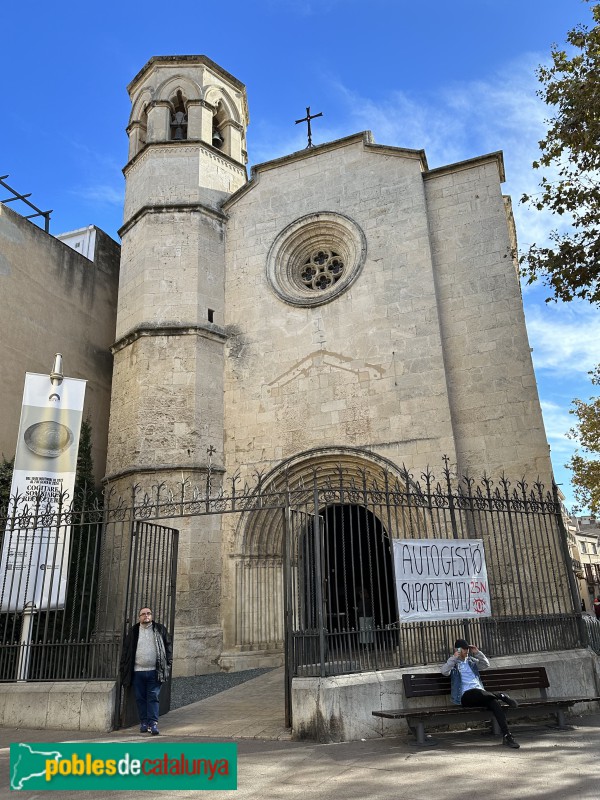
(35, 552)
(441, 579)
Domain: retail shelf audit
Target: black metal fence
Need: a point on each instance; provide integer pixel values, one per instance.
(72, 577)
(344, 610)
(311, 560)
(592, 629)
(49, 593)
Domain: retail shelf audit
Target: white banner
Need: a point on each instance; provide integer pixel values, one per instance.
(441, 579)
(35, 552)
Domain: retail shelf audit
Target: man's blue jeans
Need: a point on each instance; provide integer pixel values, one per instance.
(146, 689)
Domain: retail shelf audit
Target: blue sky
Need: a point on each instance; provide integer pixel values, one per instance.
(457, 79)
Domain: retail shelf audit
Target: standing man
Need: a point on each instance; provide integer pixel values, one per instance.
(466, 688)
(145, 662)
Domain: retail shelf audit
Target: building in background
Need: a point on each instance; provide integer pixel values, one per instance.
(587, 534)
(83, 241)
(57, 299)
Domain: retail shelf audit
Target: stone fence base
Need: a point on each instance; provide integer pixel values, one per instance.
(75, 705)
(338, 708)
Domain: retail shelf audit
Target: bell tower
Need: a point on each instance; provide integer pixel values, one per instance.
(186, 155)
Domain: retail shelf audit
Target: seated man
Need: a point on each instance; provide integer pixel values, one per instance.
(466, 688)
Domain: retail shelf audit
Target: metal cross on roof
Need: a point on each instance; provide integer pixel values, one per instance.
(307, 119)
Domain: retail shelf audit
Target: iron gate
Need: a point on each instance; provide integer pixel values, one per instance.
(310, 558)
(339, 569)
(151, 582)
(152, 574)
(113, 561)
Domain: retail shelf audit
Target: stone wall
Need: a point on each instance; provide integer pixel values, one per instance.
(365, 369)
(496, 413)
(55, 300)
(167, 410)
(71, 706)
(425, 353)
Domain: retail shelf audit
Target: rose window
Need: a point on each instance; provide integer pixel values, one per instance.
(316, 258)
(322, 269)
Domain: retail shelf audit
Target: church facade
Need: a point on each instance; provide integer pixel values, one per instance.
(345, 305)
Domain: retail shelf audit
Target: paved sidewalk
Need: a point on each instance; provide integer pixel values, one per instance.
(551, 764)
(252, 710)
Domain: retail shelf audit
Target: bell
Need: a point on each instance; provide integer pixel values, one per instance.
(217, 139)
(178, 133)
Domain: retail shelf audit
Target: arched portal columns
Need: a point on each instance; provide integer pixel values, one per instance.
(253, 577)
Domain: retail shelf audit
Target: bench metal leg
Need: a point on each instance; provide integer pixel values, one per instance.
(561, 720)
(422, 740)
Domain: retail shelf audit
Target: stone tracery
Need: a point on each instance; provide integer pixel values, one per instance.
(322, 269)
(316, 258)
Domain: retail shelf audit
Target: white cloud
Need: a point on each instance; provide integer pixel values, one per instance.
(106, 195)
(95, 159)
(501, 112)
(564, 337)
(459, 121)
(406, 122)
(557, 422)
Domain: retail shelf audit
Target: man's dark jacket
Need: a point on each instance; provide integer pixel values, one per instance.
(163, 661)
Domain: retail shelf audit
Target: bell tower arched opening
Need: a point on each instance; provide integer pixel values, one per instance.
(143, 125)
(179, 117)
(219, 119)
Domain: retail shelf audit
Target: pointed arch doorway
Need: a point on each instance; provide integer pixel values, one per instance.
(358, 573)
(344, 588)
(319, 597)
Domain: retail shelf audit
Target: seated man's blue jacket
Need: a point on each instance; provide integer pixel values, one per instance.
(477, 662)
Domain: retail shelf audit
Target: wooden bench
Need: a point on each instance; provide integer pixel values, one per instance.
(510, 679)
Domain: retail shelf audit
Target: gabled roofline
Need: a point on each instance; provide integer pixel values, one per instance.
(469, 163)
(366, 137)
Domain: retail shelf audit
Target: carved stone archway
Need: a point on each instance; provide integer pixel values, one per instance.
(257, 559)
